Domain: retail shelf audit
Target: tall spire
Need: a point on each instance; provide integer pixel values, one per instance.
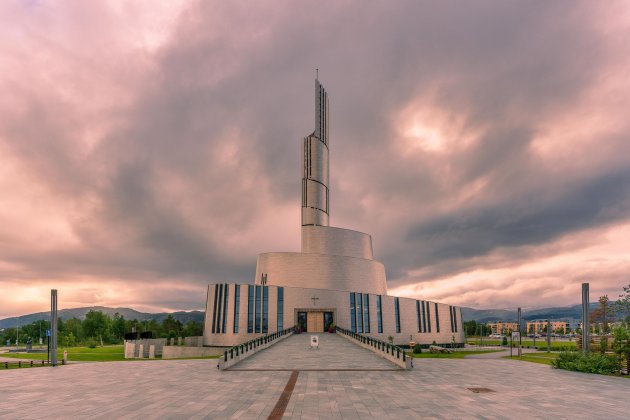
(315, 170)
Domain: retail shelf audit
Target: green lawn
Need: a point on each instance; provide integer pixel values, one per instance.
(79, 354)
(454, 355)
(541, 344)
(543, 358)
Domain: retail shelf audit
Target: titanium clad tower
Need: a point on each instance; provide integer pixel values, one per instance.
(315, 168)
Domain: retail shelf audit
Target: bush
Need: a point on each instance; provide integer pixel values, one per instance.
(504, 342)
(589, 362)
(417, 349)
(91, 344)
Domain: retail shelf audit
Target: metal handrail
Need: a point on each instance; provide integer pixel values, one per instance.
(377, 344)
(252, 344)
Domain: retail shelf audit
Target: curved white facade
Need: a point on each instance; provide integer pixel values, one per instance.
(336, 241)
(321, 271)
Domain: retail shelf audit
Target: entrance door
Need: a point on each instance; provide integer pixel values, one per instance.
(315, 322)
(301, 323)
(328, 320)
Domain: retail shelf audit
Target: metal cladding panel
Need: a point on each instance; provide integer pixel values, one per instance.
(336, 241)
(318, 159)
(334, 272)
(316, 195)
(311, 216)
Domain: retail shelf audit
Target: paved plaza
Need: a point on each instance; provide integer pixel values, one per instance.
(436, 388)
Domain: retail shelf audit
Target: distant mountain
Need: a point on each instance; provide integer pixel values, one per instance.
(128, 313)
(573, 312)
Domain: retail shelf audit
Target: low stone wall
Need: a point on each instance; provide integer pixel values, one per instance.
(193, 341)
(179, 352)
(141, 349)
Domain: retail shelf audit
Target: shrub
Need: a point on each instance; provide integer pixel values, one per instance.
(504, 342)
(417, 349)
(589, 362)
(91, 344)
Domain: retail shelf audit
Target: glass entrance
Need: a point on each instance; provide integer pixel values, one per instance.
(328, 320)
(301, 321)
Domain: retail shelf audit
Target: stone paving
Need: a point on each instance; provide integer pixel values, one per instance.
(436, 388)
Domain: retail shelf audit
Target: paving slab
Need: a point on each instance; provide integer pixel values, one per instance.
(195, 389)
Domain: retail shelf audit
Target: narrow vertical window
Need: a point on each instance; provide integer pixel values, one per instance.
(250, 309)
(359, 301)
(418, 316)
(455, 318)
(237, 304)
(379, 314)
(280, 311)
(437, 319)
(265, 310)
(258, 308)
(424, 317)
(225, 305)
(397, 314)
(366, 313)
(450, 312)
(353, 319)
(429, 316)
(214, 308)
(219, 312)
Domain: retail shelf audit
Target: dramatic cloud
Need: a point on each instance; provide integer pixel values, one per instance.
(150, 148)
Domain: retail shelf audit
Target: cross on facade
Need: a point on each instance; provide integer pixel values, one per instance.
(314, 299)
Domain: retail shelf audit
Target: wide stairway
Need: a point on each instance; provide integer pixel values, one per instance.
(334, 353)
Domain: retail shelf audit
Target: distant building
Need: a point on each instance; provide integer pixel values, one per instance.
(502, 327)
(540, 326)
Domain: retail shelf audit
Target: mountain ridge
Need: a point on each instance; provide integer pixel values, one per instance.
(573, 312)
(127, 313)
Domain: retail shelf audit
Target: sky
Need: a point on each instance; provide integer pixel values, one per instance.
(148, 148)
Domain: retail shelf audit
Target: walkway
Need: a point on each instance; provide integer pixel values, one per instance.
(334, 353)
(436, 388)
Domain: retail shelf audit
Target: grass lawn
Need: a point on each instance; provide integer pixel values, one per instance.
(543, 358)
(454, 355)
(541, 344)
(79, 354)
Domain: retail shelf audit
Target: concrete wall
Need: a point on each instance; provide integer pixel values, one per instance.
(332, 272)
(132, 347)
(336, 241)
(193, 341)
(298, 299)
(178, 352)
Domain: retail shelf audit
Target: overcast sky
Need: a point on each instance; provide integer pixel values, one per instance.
(149, 148)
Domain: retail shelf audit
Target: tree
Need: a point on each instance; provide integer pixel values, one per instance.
(118, 326)
(622, 306)
(471, 328)
(171, 325)
(96, 325)
(192, 329)
(74, 326)
(601, 314)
